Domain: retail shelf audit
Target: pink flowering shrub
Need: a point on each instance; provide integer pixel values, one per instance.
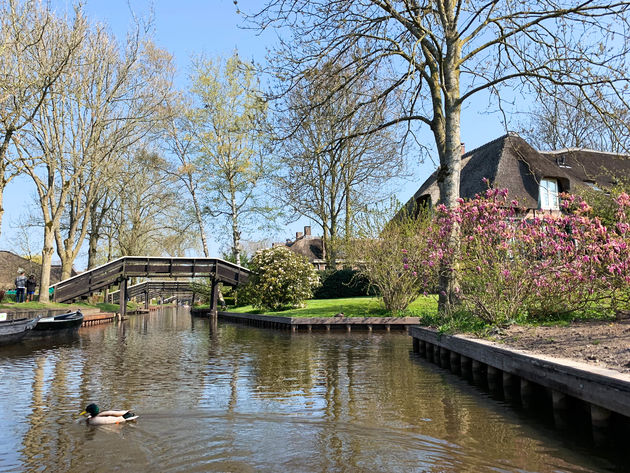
(510, 265)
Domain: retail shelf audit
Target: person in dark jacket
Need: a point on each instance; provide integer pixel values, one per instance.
(31, 284)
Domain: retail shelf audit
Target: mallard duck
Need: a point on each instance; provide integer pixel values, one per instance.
(107, 417)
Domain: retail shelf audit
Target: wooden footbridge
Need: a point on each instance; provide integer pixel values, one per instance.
(119, 271)
(147, 289)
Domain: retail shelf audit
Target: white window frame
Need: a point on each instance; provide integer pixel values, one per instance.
(548, 191)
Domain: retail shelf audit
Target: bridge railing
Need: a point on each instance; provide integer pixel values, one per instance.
(123, 268)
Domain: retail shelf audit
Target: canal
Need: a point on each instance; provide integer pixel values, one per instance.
(231, 398)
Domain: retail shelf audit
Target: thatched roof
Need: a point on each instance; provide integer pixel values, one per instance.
(510, 162)
(310, 246)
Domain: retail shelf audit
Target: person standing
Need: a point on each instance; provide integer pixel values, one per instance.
(20, 286)
(31, 284)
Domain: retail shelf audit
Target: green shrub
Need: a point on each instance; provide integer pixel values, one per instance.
(337, 284)
(281, 279)
(384, 254)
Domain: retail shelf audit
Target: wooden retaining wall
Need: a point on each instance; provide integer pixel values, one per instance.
(521, 377)
(296, 324)
(98, 318)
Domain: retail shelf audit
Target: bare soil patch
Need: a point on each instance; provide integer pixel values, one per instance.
(605, 344)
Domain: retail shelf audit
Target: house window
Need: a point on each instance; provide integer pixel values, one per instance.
(592, 185)
(548, 194)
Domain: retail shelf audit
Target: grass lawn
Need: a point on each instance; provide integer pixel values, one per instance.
(103, 306)
(32, 305)
(351, 307)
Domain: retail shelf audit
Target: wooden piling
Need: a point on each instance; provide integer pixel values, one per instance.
(511, 387)
(527, 393)
(494, 379)
(455, 363)
(445, 358)
(479, 373)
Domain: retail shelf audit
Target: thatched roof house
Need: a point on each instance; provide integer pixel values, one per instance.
(10, 263)
(305, 244)
(533, 177)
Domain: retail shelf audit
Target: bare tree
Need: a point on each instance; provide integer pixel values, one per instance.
(564, 119)
(146, 218)
(435, 55)
(324, 176)
(118, 101)
(102, 104)
(35, 49)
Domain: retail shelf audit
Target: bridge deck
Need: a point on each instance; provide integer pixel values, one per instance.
(119, 271)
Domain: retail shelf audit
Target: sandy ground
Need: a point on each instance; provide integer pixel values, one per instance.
(605, 344)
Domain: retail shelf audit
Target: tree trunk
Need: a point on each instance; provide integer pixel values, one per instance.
(202, 232)
(92, 249)
(66, 268)
(348, 223)
(3, 167)
(2, 185)
(47, 254)
(236, 234)
(331, 252)
(449, 179)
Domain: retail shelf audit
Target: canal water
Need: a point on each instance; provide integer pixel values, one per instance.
(230, 398)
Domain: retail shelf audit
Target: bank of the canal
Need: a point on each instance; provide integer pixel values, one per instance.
(309, 324)
(231, 397)
(573, 394)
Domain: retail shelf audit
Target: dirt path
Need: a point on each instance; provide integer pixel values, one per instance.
(605, 344)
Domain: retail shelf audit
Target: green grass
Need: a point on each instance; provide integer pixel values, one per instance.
(107, 307)
(351, 307)
(32, 305)
(104, 307)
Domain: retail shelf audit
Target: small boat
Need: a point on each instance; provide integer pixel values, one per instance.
(66, 322)
(12, 331)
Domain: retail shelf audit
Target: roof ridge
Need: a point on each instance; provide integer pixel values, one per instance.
(568, 150)
(489, 143)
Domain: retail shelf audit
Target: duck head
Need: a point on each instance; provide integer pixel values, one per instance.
(92, 409)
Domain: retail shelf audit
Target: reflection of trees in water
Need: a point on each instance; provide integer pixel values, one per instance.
(47, 441)
(363, 390)
(279, 367)
(369, 386)
(149, 354)
(36, 438)
(233, 387)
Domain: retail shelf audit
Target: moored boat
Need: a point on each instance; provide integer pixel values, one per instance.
(66, 322)
(12, 331)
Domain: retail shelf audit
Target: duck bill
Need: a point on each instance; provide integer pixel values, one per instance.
(83, 413)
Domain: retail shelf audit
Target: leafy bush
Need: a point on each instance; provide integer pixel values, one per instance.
(281, 279)
(384, 259)
(340, 283)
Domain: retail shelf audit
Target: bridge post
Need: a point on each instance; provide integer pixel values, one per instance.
(146, 299)
(123, 298)
(214, 298)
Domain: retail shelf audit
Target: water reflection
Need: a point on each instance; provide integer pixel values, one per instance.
(232, 398)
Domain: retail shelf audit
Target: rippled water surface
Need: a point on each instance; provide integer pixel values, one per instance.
(231, 398)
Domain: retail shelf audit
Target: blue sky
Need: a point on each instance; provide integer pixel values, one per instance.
(191, 27)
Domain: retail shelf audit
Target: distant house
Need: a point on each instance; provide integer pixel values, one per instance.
(534, 178)
(10, 263)
(305, 244)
